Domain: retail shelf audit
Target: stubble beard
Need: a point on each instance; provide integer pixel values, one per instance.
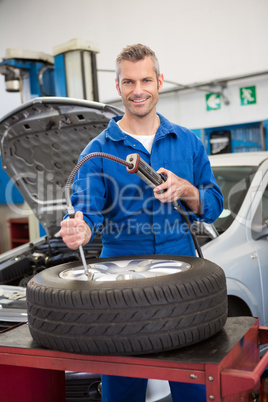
(140, 114)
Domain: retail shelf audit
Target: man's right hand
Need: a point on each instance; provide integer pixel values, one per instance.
(75, 231)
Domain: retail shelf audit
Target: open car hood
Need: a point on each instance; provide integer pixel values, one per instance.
(40, 144)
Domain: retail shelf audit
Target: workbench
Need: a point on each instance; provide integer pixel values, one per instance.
(228, 363)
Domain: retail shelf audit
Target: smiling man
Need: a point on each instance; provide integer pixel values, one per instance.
(133, 218)
(139, 90)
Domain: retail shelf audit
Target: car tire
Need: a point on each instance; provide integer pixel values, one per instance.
(127, 317)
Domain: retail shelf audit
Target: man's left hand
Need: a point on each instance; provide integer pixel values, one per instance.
(177, 188)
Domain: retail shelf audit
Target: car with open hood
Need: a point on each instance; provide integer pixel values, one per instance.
(40, 144)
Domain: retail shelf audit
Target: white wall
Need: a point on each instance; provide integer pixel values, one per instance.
(189, 108)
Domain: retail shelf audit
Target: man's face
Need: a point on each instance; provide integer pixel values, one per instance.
(139, 86)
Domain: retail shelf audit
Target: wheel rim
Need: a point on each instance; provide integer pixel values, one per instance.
(125, 270)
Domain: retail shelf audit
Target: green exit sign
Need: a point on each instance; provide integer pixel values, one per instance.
(213, 101)
(248, 95)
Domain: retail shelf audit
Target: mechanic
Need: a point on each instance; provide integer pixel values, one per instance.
(133, 218)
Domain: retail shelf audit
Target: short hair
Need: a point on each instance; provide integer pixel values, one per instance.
(135, 53)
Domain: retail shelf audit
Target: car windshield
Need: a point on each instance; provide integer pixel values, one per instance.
(234, 182)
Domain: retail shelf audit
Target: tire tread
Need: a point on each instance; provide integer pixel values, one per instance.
(127, 320)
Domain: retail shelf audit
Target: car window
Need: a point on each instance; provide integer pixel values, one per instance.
(260, 220)
(234, 182)
(265, 207)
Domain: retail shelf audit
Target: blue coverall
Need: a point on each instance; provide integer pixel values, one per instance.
(133, 221)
